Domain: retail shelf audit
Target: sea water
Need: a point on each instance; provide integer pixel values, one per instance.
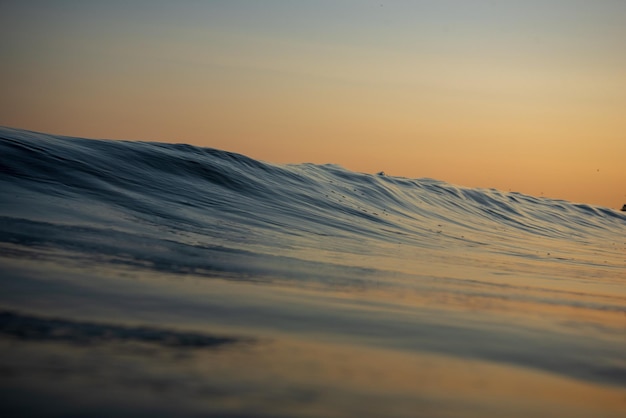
(153, 279)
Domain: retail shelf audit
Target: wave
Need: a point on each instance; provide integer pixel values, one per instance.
(166, 205)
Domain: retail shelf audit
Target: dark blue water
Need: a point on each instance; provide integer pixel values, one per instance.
(169, 265)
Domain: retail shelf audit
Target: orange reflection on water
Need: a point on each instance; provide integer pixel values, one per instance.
(345, 380)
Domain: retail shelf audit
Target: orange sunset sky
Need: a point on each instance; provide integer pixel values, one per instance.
(527, 96)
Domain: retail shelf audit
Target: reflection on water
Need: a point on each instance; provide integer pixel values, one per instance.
(121, 344)
(279, 377)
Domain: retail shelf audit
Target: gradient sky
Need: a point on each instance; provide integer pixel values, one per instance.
(527, 95)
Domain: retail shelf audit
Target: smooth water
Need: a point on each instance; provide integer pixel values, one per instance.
(151, 279)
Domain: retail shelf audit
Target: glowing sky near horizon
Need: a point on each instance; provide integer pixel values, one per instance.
(528, 96)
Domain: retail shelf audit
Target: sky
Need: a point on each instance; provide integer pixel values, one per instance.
(526, 96)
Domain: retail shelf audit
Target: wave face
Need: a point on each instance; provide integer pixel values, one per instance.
(100, 209)
(166, 205)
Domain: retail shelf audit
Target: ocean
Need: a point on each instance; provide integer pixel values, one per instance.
(154, 279)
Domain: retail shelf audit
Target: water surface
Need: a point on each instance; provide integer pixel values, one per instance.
(149, 279)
